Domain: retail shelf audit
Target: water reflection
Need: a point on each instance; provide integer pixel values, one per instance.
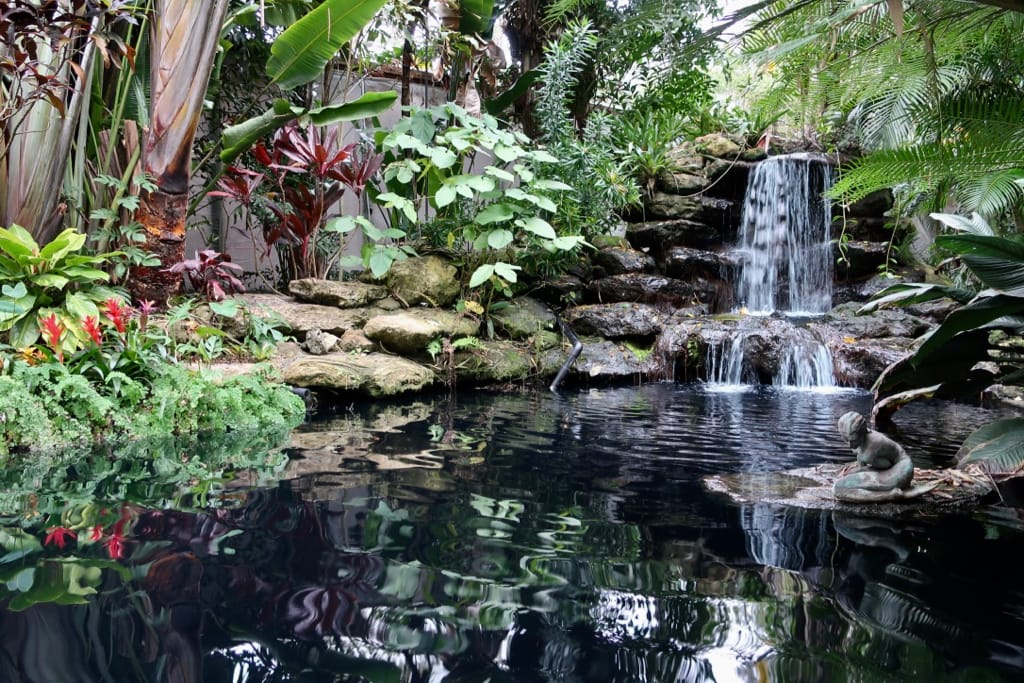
(537, 537)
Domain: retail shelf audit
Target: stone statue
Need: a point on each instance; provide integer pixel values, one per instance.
(883, 469)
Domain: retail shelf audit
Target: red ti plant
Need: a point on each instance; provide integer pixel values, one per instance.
(211, 274)
(312, 172)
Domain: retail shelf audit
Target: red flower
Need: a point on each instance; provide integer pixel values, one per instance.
(117, 313)
(97, 533)
(92, 326)
(59, 535)
(115, 546)
(146, 307)
(52, 330)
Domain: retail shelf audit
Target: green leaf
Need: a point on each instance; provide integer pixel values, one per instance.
(475, 15)
(422, 126)
(568, 242)
(62, 245)
(494, 214)
(982, 311)
(907, 294)
(481, 275)
(442, 157)
(538, 226)
(553, 185)
(499, 239)
(367, 105)
(445, 195)
(239, 138)
(506, 271)
(999, 446)
(506, 153)
(228, 308)
(15, 291)
(500, 174)
(299, 55)
(17, 242)
(24, 332)
(380, 263)
(49, 280)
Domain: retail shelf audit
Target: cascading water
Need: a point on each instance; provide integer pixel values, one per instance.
(786, 261)
(786, 254)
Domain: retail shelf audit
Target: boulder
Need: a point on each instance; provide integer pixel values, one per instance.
(410, 331)
(618, 260)
(340, 294)
(374, 374)
(614, 321)
(523, 318)
(603, 359)
(641, 287)
(887, 322)
(318, 342)
(300, 318)
(873, 205)
(856, 259)
(659, 236)
(428, 280)
(686, 262)
(490, 362)
(355, 341)
(717, 145)
(699, 208)
(675, 182)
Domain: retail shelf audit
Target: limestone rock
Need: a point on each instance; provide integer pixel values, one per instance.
(410, 331)
(375, 374)
(428, 280)
(614, 321)
(659, 236)
(318, 342)
(523, 318)
(717, 145)
(684, 263)
(641, 287)
(355, 340)
(618, 260)
(603, 359)
(340, 294)
(680, 183)
(699, 208)
(491, 362)
(300, 318)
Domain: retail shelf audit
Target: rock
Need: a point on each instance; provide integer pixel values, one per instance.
(699, 208)
(887, 322)
(567, 288)
(686, 159)
(717, 145)
(872, 206)
(859, 259)
(680, 183)
(340, 294)
(424, 280)
(355, 341)
(319, 343)
(860, 362)
(659, 236)
(863, 229)
(604, 359)
(300, 318)
(632, 287)
(491, 362)
(410, 331)
(618, 260)
(614, 321)
(374, 374)
(685, 263)
(523, 318)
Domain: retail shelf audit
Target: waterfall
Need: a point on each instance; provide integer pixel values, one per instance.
(804, 363)
(807, 363)
(786, 254)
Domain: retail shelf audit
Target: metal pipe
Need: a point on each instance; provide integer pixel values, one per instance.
(577, 348)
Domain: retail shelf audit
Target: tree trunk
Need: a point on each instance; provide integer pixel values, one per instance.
(183, 50)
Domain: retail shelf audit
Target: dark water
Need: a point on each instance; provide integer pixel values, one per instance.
(539, 537)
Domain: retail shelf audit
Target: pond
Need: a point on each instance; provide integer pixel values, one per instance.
(521, 537)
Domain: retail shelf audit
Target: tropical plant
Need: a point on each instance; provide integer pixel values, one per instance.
(492, 217)
(211, 274)
(978, 344)
(57, 280)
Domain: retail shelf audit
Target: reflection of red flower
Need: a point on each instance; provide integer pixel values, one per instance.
(59, 535)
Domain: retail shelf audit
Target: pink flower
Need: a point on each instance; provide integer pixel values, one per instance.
(59, 535)
(146, 307)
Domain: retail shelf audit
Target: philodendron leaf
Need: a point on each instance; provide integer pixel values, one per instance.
(998, 446)
(481, 275)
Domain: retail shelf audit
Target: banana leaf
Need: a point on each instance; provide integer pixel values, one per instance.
(907, 294)
(299, 55)
(999, 446)
(475, 16)
(987, 311)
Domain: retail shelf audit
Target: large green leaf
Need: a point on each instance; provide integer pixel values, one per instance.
(981, 312)
(369, 104)
(237, 139)
(999, 446)
(475, 15)
(910, 293)
(299, 55)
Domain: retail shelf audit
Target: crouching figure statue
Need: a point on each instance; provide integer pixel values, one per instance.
(884, 470)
